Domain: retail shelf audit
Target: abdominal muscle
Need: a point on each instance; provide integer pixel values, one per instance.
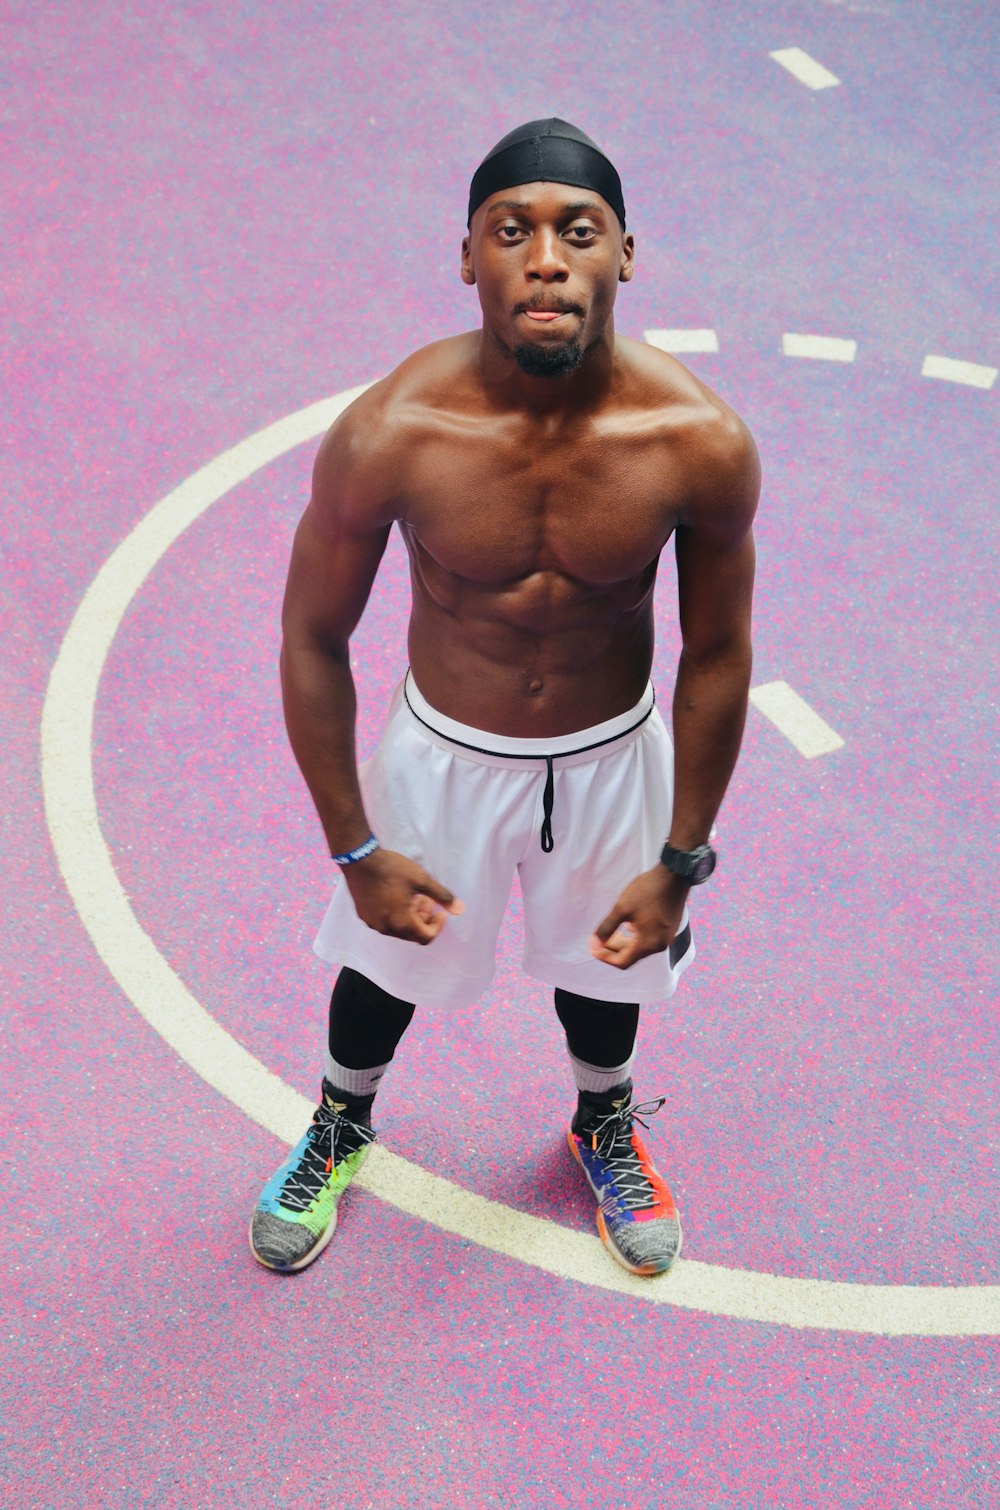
(542, 657)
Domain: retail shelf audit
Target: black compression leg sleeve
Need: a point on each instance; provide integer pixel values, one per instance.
(597, 1032)
(366, 1023)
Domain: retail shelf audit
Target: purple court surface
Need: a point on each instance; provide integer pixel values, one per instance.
(218, 218)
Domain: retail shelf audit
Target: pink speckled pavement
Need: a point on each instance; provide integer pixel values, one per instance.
(216, 215)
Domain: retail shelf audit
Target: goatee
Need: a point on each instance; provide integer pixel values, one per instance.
(548, 361)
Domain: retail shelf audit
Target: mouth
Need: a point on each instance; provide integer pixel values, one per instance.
(546, 316)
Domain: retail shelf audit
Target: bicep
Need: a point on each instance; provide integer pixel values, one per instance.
(330, 577)
(714, 548)
(342, 535)
(715, 592)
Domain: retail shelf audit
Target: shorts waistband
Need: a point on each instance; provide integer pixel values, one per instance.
(511, 747)
(477, 744)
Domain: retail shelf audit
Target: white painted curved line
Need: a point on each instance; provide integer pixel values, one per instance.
(163, 1000)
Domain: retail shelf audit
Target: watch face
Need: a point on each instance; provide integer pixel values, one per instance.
(694, 866)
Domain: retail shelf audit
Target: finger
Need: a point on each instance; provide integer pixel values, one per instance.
(605, 929)
(427, 886)
(427, 918)
(625, 946)
(614, 947)
(416, 931)
(429, 911)
(617, 937)
(621, 958)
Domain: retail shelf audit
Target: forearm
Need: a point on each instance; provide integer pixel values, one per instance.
(320, 710)
(709, 713)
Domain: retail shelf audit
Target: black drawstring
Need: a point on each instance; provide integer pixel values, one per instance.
(547, 796)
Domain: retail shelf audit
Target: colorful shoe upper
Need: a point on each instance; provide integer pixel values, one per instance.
(298, 1205)
(636, 1217)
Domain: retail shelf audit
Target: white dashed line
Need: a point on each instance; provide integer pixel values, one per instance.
(825, 348)
(682, 340)
(805, 68)
(790, 713)
(822, 349)
(959, 372)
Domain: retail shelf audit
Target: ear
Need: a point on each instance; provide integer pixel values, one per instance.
(627, 267)
(468, 271)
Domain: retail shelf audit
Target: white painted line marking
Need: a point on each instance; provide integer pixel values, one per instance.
(959, 372)
(805, 68)
(164, 1001)
(682, 340)
(791, 714)
(825, 348)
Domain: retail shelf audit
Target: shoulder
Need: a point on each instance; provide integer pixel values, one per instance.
(361, 460)
(706, 439)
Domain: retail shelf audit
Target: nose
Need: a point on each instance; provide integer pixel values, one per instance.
(546, 260)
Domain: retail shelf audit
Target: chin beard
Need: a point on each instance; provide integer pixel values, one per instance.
(548, 361)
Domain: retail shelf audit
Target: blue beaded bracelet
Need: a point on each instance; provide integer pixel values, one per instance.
(354, 855)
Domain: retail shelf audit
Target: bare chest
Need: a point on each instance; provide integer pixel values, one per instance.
(494, 510)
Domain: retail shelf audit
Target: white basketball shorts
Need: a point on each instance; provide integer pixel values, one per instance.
(578, 817)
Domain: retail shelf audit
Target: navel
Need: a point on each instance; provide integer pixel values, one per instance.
(535, 686)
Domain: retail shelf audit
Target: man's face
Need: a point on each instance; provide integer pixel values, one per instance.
(547, 260)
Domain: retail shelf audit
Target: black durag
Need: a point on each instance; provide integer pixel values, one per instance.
(549, 151)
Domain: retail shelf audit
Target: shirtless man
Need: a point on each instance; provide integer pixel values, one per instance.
(536, 469)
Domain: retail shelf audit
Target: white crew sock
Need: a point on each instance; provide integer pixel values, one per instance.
(597, 1078)
(354, 1082)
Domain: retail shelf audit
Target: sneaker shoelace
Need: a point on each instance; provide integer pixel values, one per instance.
(331, 1137)
(611, 1140)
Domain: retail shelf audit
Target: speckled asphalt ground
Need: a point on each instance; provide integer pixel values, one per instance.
(217, 215)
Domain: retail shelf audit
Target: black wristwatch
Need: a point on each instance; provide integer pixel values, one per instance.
(692, 865)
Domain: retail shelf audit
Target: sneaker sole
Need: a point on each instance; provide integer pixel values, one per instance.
(648, 1271)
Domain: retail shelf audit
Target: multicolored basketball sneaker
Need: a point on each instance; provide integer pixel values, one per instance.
(296, 1215)
(636, 1215)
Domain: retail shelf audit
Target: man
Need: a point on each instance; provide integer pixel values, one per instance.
(535, 468)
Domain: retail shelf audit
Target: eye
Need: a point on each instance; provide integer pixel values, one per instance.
(581, 232)
(509, 232)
